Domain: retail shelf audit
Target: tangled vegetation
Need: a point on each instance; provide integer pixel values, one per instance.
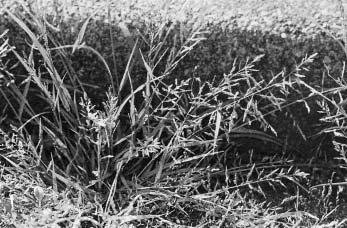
(172, 114)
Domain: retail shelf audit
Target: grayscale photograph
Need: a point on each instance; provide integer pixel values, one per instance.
(173, 113)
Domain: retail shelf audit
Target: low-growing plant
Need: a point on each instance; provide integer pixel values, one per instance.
(158, 151)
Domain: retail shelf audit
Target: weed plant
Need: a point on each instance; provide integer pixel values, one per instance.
(189, 153)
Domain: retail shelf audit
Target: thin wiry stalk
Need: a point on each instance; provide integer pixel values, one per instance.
(109, 15)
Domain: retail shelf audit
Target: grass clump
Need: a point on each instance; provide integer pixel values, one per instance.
(159, 153)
